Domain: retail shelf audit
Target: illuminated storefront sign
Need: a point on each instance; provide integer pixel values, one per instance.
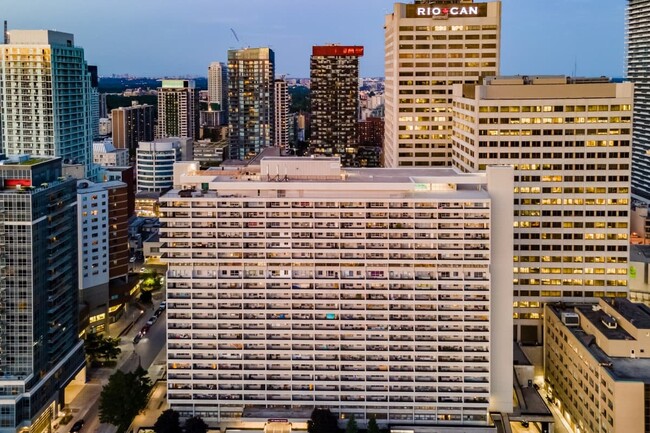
(446, 11)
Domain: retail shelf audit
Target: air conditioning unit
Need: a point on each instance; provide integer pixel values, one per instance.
(570, 319)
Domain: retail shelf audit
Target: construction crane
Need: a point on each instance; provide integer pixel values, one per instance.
(235, 34)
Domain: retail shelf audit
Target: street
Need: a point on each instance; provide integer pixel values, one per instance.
(86, 404)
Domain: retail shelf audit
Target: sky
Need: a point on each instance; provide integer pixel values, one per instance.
(165, 38)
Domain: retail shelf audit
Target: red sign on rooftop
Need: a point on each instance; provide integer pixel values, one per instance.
(338, 50)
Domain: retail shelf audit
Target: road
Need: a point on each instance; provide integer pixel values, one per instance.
(86, 404)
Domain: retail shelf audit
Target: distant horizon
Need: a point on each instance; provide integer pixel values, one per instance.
(554, 37)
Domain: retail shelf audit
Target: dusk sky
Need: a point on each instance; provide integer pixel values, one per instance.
(168, 37)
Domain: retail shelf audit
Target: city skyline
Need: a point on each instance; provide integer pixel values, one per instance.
(577, 44)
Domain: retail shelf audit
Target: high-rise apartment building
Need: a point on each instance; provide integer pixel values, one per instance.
(40, 351)
(155, 164)
(282, 103)
(106, 155)
(334, 73)
(132, 125)
(178, 111)
(297, 283)
(570, 143)
(218, 85)
(251, 101)
(638, 64)
(94, 101)
(45, 97)
(429, 47)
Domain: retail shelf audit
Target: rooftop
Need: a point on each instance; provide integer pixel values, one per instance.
(640, 253)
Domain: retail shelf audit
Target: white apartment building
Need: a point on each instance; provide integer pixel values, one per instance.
(155, 164)
(178, 111)
(368, 291)
(106, 155)
(429, 48)
(218, 85)
(569, 140)
(92, 224)
(282, 102)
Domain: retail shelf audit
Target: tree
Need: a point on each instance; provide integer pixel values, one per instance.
(146, 297)
(168, 422)
(352, 426)
(99, 347)
(123, 397)
(195, 424)
(372, 425)
(322, 421)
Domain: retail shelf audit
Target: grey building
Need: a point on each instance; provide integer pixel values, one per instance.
(251, 96)
(638, 64)
(40, 351)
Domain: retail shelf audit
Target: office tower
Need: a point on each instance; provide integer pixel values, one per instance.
(48, 114)
(40, 351)
(94, 101)
(430, 47)
(596, 363)
(363, 291)
(251, 101)
(218, 86)
(335, 101)
(155, 164)
(132, 125)
(106, 155)
(570, 142)
(178, 113)
(638, 63)
(282, 103)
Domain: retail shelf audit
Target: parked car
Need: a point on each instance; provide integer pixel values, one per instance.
(158, 312)
(525, 424)
(137, 338)
(145, 329)
(132, 259)
(76, 427)
(163, 305)
(152, 320)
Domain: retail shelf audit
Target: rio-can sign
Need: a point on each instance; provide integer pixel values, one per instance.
(446, 11)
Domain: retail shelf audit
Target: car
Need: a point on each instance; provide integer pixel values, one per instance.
(137, 338)
(143, 269)
(76, 427)
(145, 329)
(132, 259)
(158, 312)
(524, 424)
(152, 320)
(163, 305)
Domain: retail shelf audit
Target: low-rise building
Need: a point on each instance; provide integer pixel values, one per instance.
(597, 364)
(106, 155)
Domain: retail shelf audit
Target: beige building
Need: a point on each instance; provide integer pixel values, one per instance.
(570, 143)
(429, 48)
(597, 365)
(297, 283)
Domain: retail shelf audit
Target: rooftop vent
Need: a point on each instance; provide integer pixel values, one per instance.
(609, 322)
(570, 319)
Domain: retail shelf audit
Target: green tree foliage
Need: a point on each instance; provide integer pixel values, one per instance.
(372, 425)
(146, 297)
(101, 348)
(123, 397)
(195, 424)
(352, 426)
(168, 422)
(322, 421)
(150, 281)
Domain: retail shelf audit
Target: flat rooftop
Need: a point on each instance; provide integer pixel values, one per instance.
(640, 253)
(631, 369)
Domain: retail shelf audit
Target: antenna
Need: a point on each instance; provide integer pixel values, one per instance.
(235, 34)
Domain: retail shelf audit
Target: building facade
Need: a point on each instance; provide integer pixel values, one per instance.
(638, 63)
(251, 101)
(570, 142)
(178, 111)
(363, 291)
(429, 48)
(334, 71)
(155, 164)
(48, 114)
(131, 125)
(106, 155)
(40, 351)
(218, 85)
(282, 103)
(596, 364)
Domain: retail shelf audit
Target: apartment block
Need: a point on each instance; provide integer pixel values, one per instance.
(178, 109)
(40, 349)
(596, 364)
(131, 125)
(282, 103)
(569, 140)
(106, 155)
(429, 48)
(296, 283)
(155, 164)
